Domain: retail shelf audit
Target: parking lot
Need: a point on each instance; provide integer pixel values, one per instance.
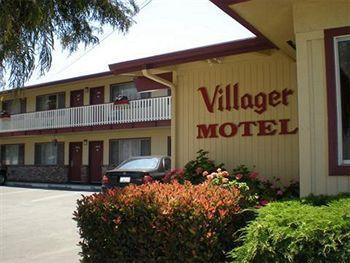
(36, 225)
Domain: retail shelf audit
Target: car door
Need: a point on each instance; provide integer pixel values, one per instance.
(163, 169)
(167, 164)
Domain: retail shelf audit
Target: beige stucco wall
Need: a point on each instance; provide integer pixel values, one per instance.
(158, 141)
(310, 20)
(255, 72)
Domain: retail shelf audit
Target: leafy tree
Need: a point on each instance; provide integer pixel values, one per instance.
(29, 29)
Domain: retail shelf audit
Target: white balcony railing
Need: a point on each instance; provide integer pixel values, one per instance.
(143, 110)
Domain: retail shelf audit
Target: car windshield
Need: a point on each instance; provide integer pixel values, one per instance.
(143, 163)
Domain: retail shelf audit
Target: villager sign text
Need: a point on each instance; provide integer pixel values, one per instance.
(229, 99)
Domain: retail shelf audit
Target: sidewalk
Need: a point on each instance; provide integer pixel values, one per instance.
(75, 187)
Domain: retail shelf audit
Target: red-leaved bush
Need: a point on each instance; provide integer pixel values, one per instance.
(159, 223)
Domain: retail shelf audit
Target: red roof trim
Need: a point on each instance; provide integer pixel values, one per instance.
(63, 81)
(190, 55)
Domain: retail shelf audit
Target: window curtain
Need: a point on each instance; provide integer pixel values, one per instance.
(14, 106)
(120, 150)
(49, 153)
(127, 89)
(12, 154)
(50, 102)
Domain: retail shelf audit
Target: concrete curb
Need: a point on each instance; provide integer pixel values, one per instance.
(73, 187)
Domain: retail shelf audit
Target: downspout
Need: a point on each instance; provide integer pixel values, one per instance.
(172, 86)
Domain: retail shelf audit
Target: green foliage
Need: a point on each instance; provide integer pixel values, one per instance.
(28, 30)
(255, 190)
(159, 223)
(315, 229)
(194, 168)
(262, 190)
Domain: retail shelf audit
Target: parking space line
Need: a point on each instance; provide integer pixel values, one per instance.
(54, 197)
(18, 192)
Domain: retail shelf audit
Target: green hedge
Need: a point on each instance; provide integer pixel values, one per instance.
(310, 230)
(159, 223)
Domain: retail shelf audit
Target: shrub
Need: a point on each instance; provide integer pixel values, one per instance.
(298, 231)
(194, 168)
(159, 223)
(265, 190)
(255, 190)
(174, 175)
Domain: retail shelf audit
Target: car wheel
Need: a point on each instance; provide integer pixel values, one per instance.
(2, 179)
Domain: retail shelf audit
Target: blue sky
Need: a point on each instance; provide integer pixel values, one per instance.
(162, 26)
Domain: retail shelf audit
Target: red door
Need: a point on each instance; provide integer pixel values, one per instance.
(95, 161)
(77, 98)
(97, 95)
(75, 161)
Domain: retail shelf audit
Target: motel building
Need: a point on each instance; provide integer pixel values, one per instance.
(279, 102)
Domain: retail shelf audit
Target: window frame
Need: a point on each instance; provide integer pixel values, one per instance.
(51, 94)
(145, 95)
(58, 161)
(121, 139)
(21, 159)
(23, 105)
(337, 166)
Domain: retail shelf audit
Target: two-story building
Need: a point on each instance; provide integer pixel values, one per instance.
(71, 130)
(278, 101)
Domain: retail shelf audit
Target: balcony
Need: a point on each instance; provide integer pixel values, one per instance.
(143, 110)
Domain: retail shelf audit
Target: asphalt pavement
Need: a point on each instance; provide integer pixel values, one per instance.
(36, 225)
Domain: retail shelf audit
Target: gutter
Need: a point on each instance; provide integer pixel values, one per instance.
(171, 85)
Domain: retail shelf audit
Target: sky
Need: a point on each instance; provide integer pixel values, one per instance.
(162, 26)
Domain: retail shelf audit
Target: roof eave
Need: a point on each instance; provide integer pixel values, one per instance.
(191, 55)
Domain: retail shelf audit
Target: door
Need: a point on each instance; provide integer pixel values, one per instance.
(77, 98)
(75, 161)
(97, 95)
(95, 161)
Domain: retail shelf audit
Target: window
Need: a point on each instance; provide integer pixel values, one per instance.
(14, 106)
(129, 90)
(12, 154)
(337, 45)
(120, 150)
(342, 65)
(50, 102)
(51, 153)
